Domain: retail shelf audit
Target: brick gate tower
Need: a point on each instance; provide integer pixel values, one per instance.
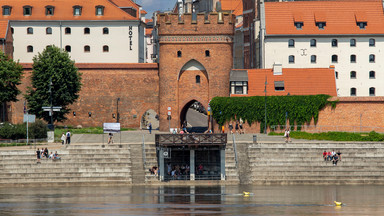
(195, 62)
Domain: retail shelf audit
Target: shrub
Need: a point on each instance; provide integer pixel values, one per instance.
(38, 130)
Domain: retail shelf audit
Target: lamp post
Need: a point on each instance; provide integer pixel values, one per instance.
(117, 112)
(265, 105)
(50, 99)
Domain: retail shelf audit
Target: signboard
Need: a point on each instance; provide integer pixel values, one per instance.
(111, 127)
(169, 112)
(169, 108)
(31, 118)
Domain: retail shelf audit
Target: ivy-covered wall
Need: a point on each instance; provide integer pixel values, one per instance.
(297, 109)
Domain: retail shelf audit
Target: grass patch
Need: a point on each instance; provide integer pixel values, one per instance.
(90, 130)
(335, 136)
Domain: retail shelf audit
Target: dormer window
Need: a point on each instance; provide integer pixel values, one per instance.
(299, 25)
(76, 10)
(361, 24)
(99, 10)
(321, 25)
(49, 10)
(6, 10)
(27, 10)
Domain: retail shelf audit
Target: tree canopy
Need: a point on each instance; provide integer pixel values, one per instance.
(53, 65)
(10, 77)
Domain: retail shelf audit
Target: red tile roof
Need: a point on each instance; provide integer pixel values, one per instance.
(3, 29)
(234, 6)
(125, 3)
(297, 81)
(64, 10)
(340, 17)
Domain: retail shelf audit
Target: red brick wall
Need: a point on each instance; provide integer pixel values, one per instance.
(353, 114)
(193, 39)
(137, 86)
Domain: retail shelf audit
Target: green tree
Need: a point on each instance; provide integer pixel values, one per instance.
(10, 77)
(53, 69)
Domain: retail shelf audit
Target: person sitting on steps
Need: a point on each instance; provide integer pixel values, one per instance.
(335, 160)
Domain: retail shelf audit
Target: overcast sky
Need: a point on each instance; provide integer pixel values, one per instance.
(153, 5)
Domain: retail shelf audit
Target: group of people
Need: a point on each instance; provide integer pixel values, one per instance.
(177, 171)
(239, 129)
(154, 170)
(66, 138)
(44, 153)
(332, 156)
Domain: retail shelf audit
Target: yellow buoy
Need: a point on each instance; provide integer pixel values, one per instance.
(246, 193)
(337, 203)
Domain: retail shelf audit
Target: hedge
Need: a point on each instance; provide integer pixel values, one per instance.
(37, 130)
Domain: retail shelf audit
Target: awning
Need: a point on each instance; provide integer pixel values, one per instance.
(238, 76)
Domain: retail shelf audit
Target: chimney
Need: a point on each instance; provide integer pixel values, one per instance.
(277, 68)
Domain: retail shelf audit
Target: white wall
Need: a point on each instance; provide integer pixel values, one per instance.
(120, 49)
(277, 50)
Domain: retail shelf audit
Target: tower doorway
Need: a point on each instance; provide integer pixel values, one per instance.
(194, 117)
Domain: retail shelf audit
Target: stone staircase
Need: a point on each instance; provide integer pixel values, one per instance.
(81, 164)
(302, 163)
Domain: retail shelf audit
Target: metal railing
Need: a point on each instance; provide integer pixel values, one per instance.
(195, 139)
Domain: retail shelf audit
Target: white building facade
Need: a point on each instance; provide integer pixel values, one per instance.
(352, 44)
(99, 32)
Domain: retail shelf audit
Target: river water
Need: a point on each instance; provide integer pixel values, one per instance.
(193, 200)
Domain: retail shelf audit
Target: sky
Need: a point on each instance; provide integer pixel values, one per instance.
(153, 5)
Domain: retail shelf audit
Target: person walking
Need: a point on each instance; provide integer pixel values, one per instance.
(68, 140)
(150, 127)
(110, 138)
(63, 138)
(38, 155)
(287, 136)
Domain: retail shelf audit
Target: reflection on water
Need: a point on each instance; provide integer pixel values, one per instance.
(193, 200)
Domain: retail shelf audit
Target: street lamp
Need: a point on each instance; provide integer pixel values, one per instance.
(265, 105)
(117, 112)
(50, 99)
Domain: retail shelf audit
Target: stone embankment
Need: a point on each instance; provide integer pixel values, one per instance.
(266, 162)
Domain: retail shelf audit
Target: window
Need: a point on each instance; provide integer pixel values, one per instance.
(87, 48)
(372, 42)
(12, 30)
(68, 48)
(299, 25)
(198, 79)
(361, 24)
(179, 54)
(67, 30)
(48, 30)
(352, 43)
(105, 48)
(29, 30)
(291, 43)
(49, 10)
(320, 25)
(99, 10)
(207, 53)
(334, 58)
(76, 10)
(291, 59)
(371, 58)
(334, 42)
(313, 58)
(87, 31)
(337, 75)
(239, 87)
(372, 75)
(372, 91)
(353, 58)
(7, 10)
(279, 86)
(353, 91)
(313, 43)
(105, 30)
(353, 75)
(29, 48)
(27, 10)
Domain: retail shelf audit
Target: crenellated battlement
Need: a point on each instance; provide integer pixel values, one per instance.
(200, 24)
